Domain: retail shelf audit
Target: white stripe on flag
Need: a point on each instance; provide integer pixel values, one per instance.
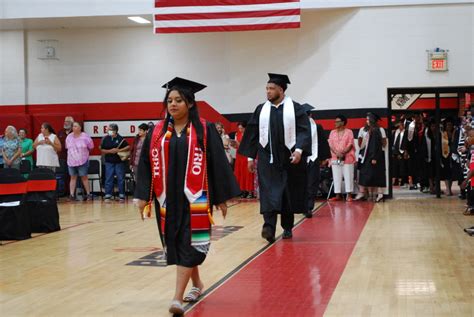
(226, 22)
(228, 8)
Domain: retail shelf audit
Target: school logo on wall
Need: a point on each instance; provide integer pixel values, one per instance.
(127, 128)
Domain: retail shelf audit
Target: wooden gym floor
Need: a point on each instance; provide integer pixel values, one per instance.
(404, 257)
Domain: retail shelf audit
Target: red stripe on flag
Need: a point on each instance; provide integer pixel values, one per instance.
(229, 28)
(194, 3)
(226, 15)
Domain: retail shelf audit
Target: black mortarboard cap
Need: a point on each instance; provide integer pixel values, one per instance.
(184, 83)
(279, 79)
(307, 107)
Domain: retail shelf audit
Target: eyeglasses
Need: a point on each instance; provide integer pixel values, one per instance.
(338, 121)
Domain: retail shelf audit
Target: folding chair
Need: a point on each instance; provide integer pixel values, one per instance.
(14, 219)
(94, 174)
(41, 201)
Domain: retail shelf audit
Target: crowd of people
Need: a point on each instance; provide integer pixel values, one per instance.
(189, 166)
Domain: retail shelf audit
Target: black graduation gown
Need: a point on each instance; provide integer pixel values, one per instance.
(373, 175)
(324, 153)
(282, 185)
(457, 169)
(222, 187)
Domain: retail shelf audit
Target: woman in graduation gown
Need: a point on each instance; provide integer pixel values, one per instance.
(183, 166)
(372, 169)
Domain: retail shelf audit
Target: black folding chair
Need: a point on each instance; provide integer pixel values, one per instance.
(25, 166)
(41, 201)
(14, 219)
(94, 174)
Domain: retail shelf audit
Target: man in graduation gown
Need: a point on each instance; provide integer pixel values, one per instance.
(278, 133)
(320, 153)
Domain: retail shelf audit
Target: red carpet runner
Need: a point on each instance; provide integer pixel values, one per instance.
(293, 277)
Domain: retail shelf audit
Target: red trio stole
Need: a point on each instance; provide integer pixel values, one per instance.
(195, 183)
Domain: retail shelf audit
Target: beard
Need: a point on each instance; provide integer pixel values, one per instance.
(67, 126)
(275, 98)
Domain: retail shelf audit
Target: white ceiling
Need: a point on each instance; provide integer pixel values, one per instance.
(71, 22)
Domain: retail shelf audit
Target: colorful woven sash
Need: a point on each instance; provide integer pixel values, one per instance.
(195, 185)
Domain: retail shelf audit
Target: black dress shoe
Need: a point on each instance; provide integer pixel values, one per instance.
(308, 214)
(287, 234)
(469, 231)
(268, 235)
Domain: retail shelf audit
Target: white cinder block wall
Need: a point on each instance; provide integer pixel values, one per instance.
(344, 58)
(12, 68)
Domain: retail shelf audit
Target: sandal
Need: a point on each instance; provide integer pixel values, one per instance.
(469, 211)
(176, 307)
(193, 295)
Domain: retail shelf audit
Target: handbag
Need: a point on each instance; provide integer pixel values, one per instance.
(124, 155)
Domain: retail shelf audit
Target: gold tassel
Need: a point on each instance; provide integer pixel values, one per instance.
(147, 211)
(211, 220)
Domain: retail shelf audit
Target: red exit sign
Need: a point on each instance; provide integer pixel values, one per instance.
(438, 64)
(437, 61)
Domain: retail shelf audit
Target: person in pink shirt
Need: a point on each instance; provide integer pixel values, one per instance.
(341, 142)
(78, 145)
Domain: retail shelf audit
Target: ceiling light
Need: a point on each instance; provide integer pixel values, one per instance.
(139, 20)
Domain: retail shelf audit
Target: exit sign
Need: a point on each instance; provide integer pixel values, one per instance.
(437, 60)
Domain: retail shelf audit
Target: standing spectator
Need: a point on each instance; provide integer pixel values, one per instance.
(1, 150)
(372, 169)
(62, 135)
(47, 146)
(242, 174)
(114, 166)
(341, 143)
(26, 148)
(137, 148)
(11, 148)
(225, 141)
(78, 145)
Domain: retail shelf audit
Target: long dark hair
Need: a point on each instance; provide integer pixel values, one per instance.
(188, 97)
(48, 127)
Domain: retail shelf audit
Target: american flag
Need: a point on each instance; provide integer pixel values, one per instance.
(186, 16)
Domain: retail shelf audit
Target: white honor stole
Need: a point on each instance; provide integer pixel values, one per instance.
(289, 125)
(314, 141)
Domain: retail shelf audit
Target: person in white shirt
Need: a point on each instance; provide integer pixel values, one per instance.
(47, 146)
